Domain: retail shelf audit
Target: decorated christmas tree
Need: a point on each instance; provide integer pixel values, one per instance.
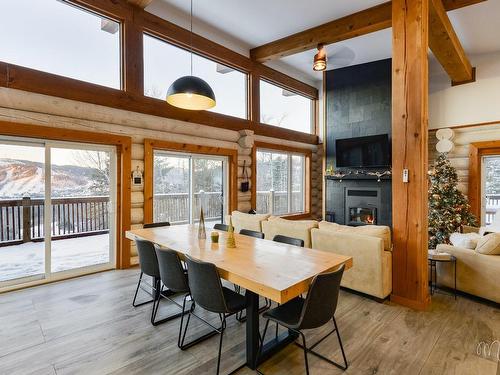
(448, 207)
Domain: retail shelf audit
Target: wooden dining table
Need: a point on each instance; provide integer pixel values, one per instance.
(264, 268)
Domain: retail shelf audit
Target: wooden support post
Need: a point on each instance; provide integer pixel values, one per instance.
(26, 203)
(409, 151)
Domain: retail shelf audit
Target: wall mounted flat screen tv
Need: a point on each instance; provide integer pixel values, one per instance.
(363, 152)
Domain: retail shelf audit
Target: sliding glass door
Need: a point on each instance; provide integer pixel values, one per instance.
(76, 235)
(183, 183)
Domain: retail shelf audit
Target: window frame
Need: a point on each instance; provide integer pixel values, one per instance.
(150, 145)
(312, 106)
(289, 150)
(209, 58)
(81, 5)
(134, 22)
(191, 159)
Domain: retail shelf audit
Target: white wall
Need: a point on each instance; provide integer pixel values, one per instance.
(470, 103)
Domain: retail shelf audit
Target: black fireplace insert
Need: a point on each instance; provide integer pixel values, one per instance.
(362, 216)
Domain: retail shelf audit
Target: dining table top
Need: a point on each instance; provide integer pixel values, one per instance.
(271, 269)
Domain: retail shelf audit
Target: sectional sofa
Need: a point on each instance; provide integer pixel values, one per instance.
(369, 246)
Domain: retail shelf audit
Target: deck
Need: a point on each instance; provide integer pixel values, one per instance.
(27, 259)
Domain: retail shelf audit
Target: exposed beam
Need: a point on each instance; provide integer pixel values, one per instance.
(446, 46)
(140, 3)
(410, 96)
(357, 24)
(360, 23)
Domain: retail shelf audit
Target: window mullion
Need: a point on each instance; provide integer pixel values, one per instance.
(289, 177)
(191, 191)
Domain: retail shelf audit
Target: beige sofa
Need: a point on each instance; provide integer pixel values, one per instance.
(477, 274)
(370, 247)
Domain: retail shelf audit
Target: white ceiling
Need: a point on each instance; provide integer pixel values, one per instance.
(241, 25)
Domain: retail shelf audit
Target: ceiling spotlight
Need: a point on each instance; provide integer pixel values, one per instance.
(319, 63)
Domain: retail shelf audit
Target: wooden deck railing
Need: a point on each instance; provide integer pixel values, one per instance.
(22, 220)
(492, 205)
(174, 207)
(280, 202)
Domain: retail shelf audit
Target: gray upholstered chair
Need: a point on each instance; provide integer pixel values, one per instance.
(222, 227)
(207, 291)
(156, 225)
(252, 233)
(288, 240)
(316, 310)
(149, 267)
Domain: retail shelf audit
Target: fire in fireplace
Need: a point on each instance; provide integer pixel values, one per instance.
(362, 216)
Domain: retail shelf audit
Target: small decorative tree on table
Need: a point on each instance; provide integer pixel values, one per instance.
(448, 208)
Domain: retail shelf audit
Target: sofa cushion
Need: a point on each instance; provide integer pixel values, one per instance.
(242, 220)
(489, 244)
(292, 228)
(465, 240)
(380, 231)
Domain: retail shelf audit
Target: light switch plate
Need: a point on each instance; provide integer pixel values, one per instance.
(405, 175)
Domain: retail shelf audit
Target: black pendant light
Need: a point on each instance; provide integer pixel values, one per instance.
(190, 92)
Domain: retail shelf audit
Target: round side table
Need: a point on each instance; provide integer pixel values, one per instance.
(432, 263)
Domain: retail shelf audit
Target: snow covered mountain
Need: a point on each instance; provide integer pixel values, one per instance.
(20, 178)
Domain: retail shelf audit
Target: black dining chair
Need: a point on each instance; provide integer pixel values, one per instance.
(174, 278)
(255, 234)
(288, 240)
(317, 309)
(207, 291)
(149, 267)
(156, 225)
(252, 233)
(222, 227)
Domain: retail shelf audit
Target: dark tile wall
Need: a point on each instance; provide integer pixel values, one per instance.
(358, 103)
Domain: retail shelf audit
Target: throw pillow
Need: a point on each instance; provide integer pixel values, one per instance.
(465, 240)
(489, 244)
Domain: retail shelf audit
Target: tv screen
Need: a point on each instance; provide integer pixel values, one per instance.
(366, 152)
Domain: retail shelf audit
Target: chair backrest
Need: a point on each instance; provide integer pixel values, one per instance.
(156, 225)
(205, 285)
(171, 272)
(147, 258)
(252, 233)
(222, 227)
(289, 240)
(321, 300)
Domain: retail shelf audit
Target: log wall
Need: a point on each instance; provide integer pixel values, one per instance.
(459, 156)
(36, 109)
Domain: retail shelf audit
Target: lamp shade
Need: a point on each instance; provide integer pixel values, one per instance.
(190, 92)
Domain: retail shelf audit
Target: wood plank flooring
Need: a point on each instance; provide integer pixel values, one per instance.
(88, 326)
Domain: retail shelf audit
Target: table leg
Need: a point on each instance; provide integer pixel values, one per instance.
(254, 356)
(252, 328)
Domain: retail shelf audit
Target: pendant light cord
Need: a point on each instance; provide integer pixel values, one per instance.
(191, 37)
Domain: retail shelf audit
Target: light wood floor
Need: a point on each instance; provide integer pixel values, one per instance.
(88, 326)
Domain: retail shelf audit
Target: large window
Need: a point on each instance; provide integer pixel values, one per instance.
(281, 184)
(59, 38)
(284, 108)
(164, 63)
(183, 183)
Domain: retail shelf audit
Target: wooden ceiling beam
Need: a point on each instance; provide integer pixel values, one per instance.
(140, 3)
(446, 46)
(361, 23)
